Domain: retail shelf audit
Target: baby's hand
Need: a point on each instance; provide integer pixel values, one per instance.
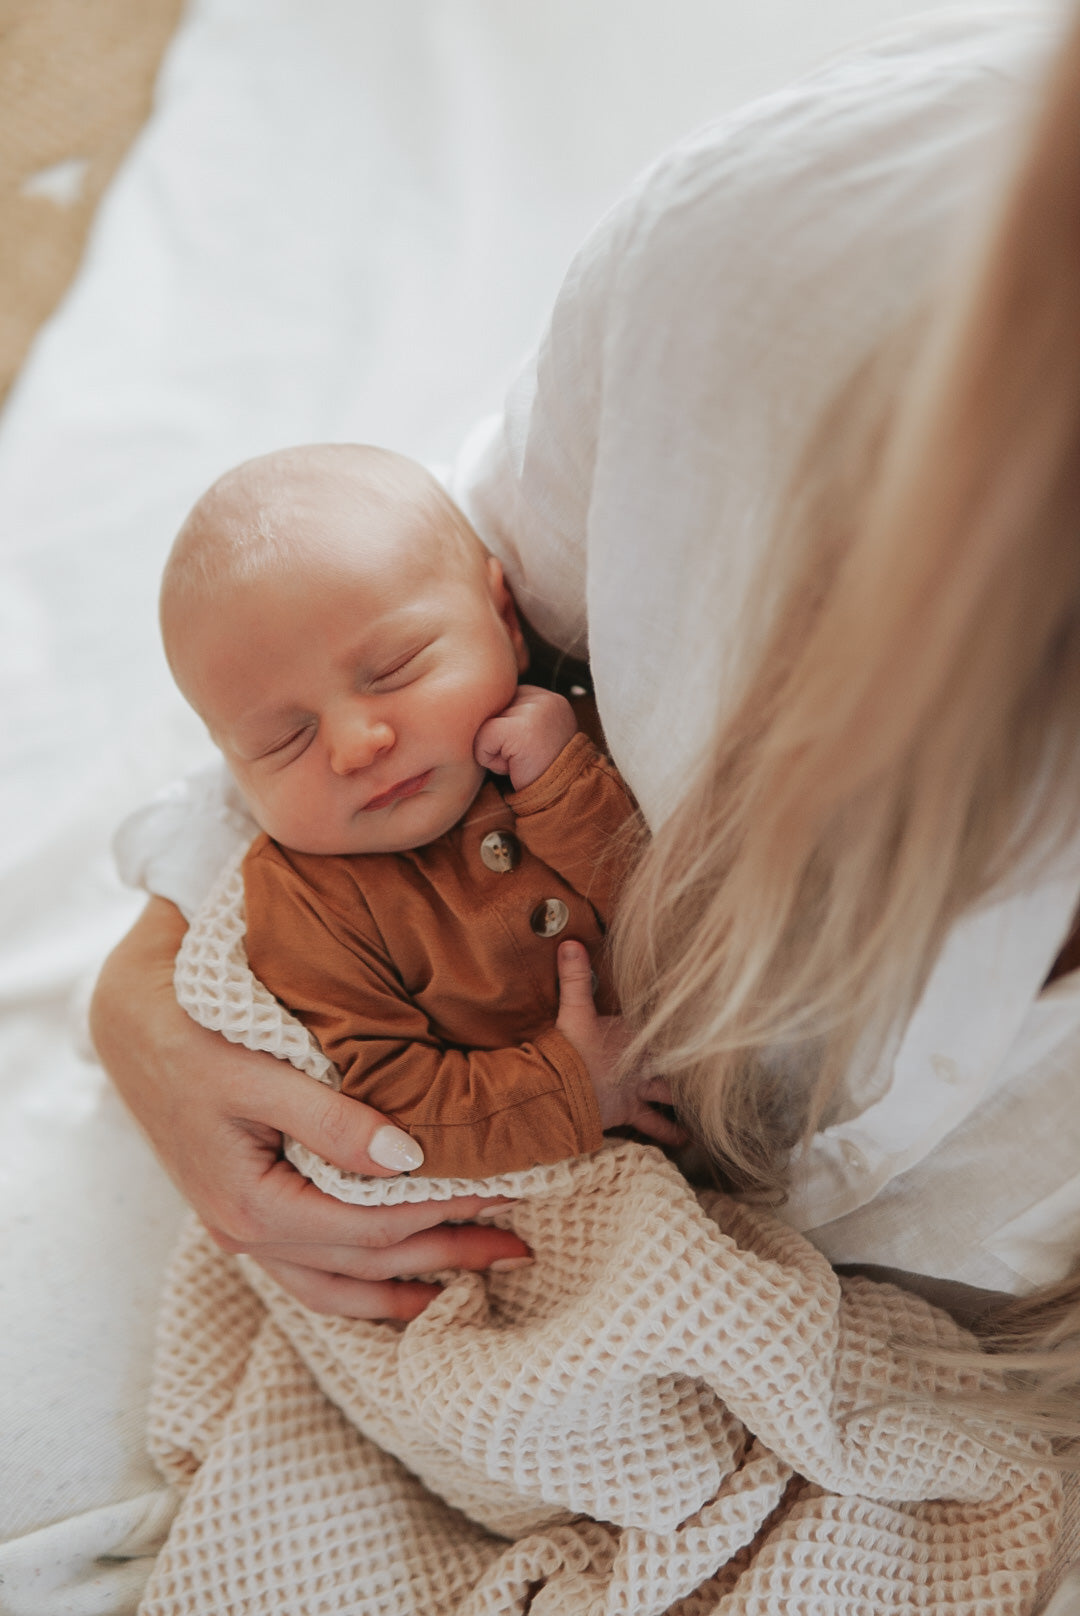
(526, 737)
(600, 1041)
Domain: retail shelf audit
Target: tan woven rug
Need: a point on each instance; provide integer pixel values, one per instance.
(76, 83)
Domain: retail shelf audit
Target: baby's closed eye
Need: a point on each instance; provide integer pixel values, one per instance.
(289, 746)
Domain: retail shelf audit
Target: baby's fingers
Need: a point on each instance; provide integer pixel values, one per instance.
(489, 747)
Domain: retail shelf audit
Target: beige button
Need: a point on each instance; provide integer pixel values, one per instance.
(500, 851)
(549, 918)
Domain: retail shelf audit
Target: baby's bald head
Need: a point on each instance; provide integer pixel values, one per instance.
(328, 504)
(344, 635)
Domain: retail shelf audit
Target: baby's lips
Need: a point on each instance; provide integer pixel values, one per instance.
(402, 789)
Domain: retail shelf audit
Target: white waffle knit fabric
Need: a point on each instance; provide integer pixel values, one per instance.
(678, 1408)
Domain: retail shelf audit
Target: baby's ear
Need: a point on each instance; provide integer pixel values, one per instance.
(506, 607)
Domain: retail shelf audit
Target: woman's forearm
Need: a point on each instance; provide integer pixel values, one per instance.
(133, 1006)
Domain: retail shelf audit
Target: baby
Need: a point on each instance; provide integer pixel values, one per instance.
(355, 653)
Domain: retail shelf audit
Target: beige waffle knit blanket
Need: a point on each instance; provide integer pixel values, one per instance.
(678, 1407)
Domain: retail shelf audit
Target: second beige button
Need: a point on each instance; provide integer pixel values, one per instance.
(549, 918)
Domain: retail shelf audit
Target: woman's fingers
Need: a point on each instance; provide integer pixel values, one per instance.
(285, 1209)
(352, 1298)
(428, 1252)
(655, 1125)
(657, 1090)
(575, 978)
(362, 1281)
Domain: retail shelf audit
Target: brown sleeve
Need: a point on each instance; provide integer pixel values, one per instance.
(580, 819)
(472, 1112)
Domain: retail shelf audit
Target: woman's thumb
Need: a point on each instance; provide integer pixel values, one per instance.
(575, 976)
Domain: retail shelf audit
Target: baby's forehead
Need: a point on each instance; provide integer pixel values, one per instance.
(318, 476)
(371, 520)
(359, 500)
(308, 509)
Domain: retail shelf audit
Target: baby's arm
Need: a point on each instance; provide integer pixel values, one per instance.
(474, 1112)
(574, 812)
(578, 817)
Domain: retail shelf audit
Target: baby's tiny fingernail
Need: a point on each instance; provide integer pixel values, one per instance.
(503, 1265)
(392, 1148)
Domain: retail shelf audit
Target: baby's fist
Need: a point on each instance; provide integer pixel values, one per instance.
(526, 737)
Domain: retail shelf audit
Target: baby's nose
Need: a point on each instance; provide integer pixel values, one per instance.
(357, 740)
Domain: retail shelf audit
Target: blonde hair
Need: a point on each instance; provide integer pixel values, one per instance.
(909, 738)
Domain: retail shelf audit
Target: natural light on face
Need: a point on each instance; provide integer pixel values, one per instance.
(346, 690)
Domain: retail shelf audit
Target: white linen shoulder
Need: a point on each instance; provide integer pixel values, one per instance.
(635, 475)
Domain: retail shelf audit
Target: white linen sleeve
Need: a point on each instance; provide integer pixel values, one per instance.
(174, 845)
(524, 477)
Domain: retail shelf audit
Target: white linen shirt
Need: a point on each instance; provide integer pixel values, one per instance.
(629, 488)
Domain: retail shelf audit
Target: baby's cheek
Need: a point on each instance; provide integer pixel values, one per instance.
(302, 816)
(285, 819)
(266, 804)
(258, 809)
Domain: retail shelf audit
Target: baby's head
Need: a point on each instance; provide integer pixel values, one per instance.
(343, 633)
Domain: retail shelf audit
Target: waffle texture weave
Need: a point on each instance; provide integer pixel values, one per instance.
(677, 1408)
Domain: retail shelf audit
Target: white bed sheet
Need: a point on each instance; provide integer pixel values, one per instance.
(345, 219)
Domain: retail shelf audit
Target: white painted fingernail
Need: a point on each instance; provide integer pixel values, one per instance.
(503, 1265)
(392, 1148)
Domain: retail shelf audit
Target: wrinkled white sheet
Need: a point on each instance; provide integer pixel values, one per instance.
(345, 219)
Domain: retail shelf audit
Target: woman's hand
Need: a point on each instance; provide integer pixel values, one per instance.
(215, 1114)
(600, 1041)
